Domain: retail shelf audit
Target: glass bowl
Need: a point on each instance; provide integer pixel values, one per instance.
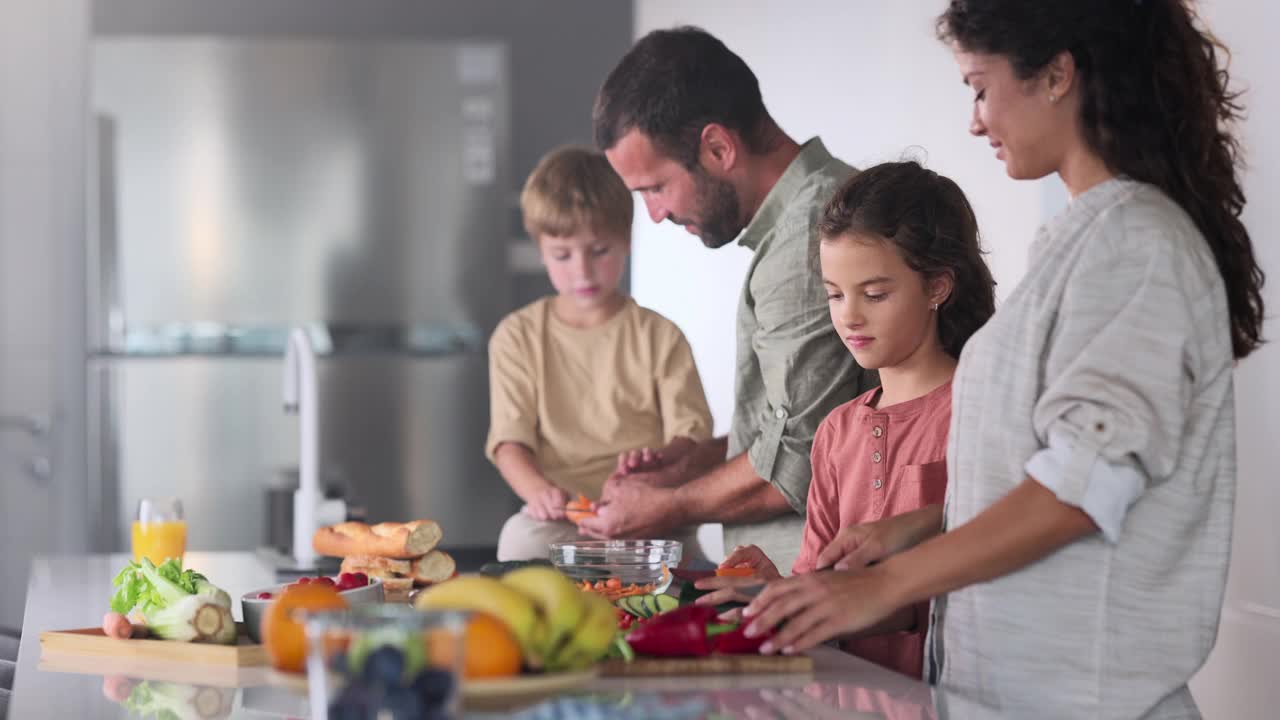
(616, 568)
(385, 661)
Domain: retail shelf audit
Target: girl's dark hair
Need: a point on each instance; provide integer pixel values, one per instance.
(1155, 106)
(927, 218)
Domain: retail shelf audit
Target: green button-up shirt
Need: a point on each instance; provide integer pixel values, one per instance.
(792, 367)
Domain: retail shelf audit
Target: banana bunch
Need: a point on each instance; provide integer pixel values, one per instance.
(558, 626)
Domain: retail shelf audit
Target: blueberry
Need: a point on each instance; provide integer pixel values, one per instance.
(403, 703)
(384, 666)
(434, 687)
(354, 702)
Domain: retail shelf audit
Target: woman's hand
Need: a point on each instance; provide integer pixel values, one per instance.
(727, 587)
(819, 606)
(547, 504)
(857, 546)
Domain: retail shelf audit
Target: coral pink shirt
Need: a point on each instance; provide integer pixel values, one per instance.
(871, 463)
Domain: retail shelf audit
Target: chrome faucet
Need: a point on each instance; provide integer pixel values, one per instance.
(310, 509)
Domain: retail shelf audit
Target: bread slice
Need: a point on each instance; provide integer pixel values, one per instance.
(389, 539)
(396, 589)
(369, 563)
(436, 566)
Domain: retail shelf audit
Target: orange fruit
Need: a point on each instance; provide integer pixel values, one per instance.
(488, 646)
(282, 633)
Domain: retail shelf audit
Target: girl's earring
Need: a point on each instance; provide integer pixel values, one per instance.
(935, 307)
(1053, 98)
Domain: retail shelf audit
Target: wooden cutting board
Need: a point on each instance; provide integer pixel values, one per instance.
(92, 641)
(711, 665)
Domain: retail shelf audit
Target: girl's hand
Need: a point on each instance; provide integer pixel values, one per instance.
(547, 504)
(817, 607)
(727, 587)
(858, 546)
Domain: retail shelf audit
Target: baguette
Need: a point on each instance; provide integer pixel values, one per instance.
(389, 539)
(371, 563)
(436, 566)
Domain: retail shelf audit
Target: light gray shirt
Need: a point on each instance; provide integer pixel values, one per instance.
(1117, 345)
(792, 366)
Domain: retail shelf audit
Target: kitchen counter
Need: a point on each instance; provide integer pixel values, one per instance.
(71, 591)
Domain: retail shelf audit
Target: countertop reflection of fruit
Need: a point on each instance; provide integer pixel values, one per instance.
(282, 633)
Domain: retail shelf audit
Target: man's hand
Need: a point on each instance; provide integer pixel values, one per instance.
(640, 460)
(649, 459)
(547, 504)
(632, 509)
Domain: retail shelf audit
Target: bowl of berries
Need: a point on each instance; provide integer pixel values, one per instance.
(385, 661)
(356, 588)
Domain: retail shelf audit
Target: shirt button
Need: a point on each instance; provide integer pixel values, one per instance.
(779, 413)
(877, 484)
(877, 431)
(875, 456)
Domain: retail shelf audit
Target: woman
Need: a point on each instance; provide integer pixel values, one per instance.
(1091, 456)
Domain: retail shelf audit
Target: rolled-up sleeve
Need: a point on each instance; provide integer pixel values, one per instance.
(1118, 375)
(804, 366)
(513, 396)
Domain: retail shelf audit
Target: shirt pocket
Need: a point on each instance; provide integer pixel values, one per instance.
(915, 486)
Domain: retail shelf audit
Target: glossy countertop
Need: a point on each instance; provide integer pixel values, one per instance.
(72, 591)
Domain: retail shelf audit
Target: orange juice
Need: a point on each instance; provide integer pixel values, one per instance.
(159, 541)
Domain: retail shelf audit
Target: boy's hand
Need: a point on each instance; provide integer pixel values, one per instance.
(547, 504)
(726, 587)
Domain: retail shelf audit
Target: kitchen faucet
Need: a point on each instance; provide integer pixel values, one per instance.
(310, 509)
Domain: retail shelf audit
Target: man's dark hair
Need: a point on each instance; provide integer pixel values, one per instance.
(671, 85)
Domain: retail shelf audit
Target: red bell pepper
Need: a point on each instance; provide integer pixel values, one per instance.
(735, 642)
(689, 631)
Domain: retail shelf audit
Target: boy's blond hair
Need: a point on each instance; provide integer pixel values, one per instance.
(574, 189)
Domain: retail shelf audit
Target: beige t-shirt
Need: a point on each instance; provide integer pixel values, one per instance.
(577, 397)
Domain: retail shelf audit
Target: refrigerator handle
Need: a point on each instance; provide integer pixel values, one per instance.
(106, 321)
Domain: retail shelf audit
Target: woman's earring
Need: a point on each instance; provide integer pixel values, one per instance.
(1053, 98)
(935, 307)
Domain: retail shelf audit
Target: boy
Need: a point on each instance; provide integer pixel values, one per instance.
(579, 378)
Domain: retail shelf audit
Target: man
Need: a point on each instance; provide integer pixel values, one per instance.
(682, 122)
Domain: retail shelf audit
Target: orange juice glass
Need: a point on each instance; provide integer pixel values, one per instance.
(159, 532)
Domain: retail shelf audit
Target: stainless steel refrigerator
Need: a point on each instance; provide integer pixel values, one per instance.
(240, 187)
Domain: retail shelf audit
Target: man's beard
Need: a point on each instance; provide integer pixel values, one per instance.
(719, 211)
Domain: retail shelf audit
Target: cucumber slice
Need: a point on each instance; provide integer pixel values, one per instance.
(665, 603)
(651, 604)
(629, 605)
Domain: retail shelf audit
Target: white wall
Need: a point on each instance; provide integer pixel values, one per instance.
(870, 78)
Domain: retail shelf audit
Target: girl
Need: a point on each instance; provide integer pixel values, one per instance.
(1092, 448)
(906, 286)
